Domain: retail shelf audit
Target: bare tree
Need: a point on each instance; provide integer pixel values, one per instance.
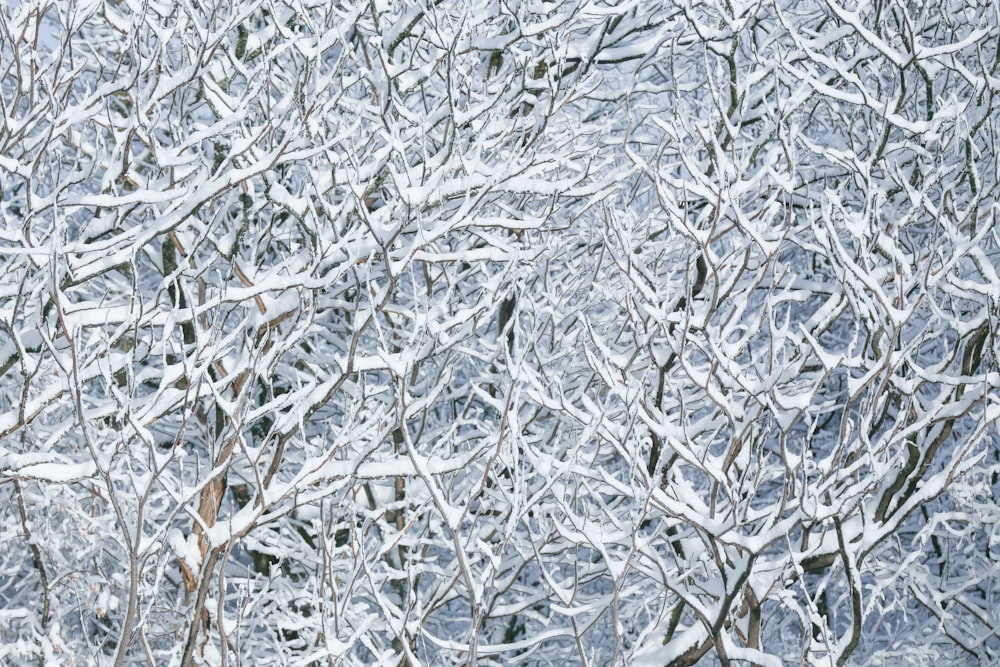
(498, 333)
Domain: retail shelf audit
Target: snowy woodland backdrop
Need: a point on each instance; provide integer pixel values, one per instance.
(499, 332)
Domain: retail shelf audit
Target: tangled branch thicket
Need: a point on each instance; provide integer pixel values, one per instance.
(497, 333)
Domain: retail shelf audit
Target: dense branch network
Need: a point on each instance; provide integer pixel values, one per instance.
(499, 332)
